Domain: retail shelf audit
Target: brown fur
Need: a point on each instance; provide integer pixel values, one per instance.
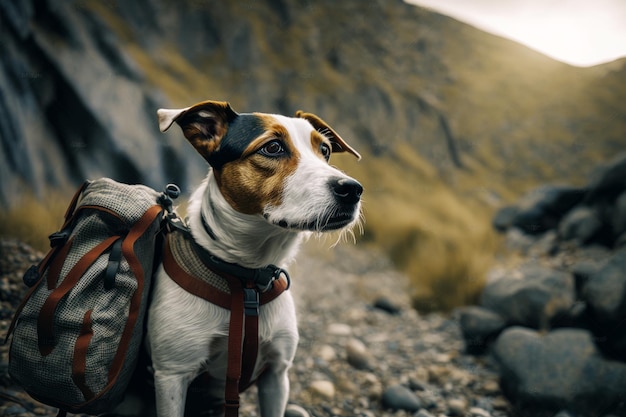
(206, 134)
(316, 141)
(254, 181)
(338, 144)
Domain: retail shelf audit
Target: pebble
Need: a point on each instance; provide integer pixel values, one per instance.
(358, 355)
(478, 412)
(339, 329)
(457, 406)
(399, 397)
(383, 303)
(324, 389)
(423, 413)
(327, 353)
(293, 410)
(490, 387)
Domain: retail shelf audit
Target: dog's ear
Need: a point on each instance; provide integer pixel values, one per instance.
(338, 144)
(203, 124)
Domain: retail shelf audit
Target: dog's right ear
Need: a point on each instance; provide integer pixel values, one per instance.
(203, 124)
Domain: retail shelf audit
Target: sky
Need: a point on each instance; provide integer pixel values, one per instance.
(578, 32)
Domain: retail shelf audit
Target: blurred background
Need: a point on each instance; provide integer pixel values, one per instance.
(453, 122)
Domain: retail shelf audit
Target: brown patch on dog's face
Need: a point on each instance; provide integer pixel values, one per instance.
(256, 180)
(321, 145)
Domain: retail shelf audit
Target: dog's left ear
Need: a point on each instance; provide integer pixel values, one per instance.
(338, 144)
(204, 124)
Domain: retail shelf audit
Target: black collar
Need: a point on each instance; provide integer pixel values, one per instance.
(207, 228)
(263, 278)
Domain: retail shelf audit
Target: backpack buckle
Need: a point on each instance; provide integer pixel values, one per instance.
(171, 192)
(59, 238)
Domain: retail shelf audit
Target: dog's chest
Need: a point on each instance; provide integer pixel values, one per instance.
(217, 358)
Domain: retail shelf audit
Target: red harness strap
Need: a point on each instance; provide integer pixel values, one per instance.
(243, 301)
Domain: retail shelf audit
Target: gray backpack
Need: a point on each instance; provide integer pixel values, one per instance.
(78, 332)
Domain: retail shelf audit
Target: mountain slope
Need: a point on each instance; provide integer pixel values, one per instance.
(452, 121)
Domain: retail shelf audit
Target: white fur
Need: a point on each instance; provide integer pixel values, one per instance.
(187, 335)
(168, 116)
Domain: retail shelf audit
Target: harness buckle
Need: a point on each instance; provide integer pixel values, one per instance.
(280, 271)
(251, 301)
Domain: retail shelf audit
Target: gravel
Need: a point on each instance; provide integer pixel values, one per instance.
(351, 350)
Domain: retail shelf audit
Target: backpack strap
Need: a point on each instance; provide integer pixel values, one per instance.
(235, 336)
(250, 350)
(45, 323)
(190, 283)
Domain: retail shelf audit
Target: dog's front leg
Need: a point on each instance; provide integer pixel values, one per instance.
(273, 393)
(273, 384)
(171, 394)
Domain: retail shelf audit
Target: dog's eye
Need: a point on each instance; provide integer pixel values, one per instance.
(273, 149)
(325, 150)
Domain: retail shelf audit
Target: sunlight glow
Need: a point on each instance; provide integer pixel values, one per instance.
(577, 32)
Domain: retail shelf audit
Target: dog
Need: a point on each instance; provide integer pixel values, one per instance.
(269, 185)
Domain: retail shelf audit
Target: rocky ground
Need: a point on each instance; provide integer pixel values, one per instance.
(363, 351)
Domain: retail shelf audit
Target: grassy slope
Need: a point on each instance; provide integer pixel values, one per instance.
(520, 118)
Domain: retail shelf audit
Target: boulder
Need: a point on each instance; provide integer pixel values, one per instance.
(608, 182)
(560, 370)
(479, 327)
(504, 218)
(580, 225)
(583, 270)
(605, 295)
(542, 208)
(605, 291)
(618, 215)
(534, 300)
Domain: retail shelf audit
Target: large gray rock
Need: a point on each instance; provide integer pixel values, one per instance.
(608, 182)
(560, 370)
(479, 327)
(534, 299)
(605, 291)
(618, 215)
(503, 219)
(580, 225)
(542, 208)
(605, 294)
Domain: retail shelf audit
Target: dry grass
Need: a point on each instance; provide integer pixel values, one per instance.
(33, 219)
(443, 241)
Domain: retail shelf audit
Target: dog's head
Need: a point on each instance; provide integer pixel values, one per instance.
(272, 165)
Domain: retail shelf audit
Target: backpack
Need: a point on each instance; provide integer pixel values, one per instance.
(78, 332)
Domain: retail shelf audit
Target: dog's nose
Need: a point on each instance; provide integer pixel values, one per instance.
(346, 190)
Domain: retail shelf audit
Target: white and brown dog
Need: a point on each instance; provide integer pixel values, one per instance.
(269, 185)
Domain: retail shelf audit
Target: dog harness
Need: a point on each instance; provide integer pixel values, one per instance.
(238, 289)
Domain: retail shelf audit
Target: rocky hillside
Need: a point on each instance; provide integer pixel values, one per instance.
(452, 121)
